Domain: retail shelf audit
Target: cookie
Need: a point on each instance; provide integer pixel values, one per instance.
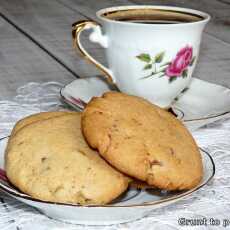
(50, 160)
(143, 141)
(36, 117)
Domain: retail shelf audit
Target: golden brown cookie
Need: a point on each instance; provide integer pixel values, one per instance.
(142, 140)
(50, 160)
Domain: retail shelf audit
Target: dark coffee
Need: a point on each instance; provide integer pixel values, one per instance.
(147, 21)
(152, 16)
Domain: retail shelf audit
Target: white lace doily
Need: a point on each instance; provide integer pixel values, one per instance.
(212, 201)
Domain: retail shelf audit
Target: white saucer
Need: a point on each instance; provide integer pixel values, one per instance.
(132, 205)
(202, 103)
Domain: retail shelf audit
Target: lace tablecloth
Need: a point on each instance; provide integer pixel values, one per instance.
(212, 201)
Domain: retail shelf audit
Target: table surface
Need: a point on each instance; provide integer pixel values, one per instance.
(35, 40)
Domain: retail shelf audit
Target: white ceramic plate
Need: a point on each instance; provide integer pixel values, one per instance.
(201, 104)
(132, 205)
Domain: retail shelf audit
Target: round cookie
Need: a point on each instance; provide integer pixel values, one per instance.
(51, 161)
(143, 141)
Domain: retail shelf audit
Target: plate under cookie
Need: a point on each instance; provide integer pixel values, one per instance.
(132, 205)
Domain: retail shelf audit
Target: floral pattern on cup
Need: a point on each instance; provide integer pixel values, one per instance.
(178, 67)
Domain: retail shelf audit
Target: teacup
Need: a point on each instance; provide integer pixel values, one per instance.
(151, 50)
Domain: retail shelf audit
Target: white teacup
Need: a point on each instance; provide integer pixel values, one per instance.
(151, 50)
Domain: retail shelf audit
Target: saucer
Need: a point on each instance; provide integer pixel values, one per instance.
(200, 104)
(133, 204)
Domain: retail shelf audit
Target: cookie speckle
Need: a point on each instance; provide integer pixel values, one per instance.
(136, 121)
(155, 162)
(20, 143)
(58, 189)
(171, 151)
(82, 152)
(43, 159)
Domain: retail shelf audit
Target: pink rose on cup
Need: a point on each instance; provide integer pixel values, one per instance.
(180, 62)
(157, 66)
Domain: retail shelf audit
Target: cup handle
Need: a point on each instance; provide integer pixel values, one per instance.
(95, 36)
